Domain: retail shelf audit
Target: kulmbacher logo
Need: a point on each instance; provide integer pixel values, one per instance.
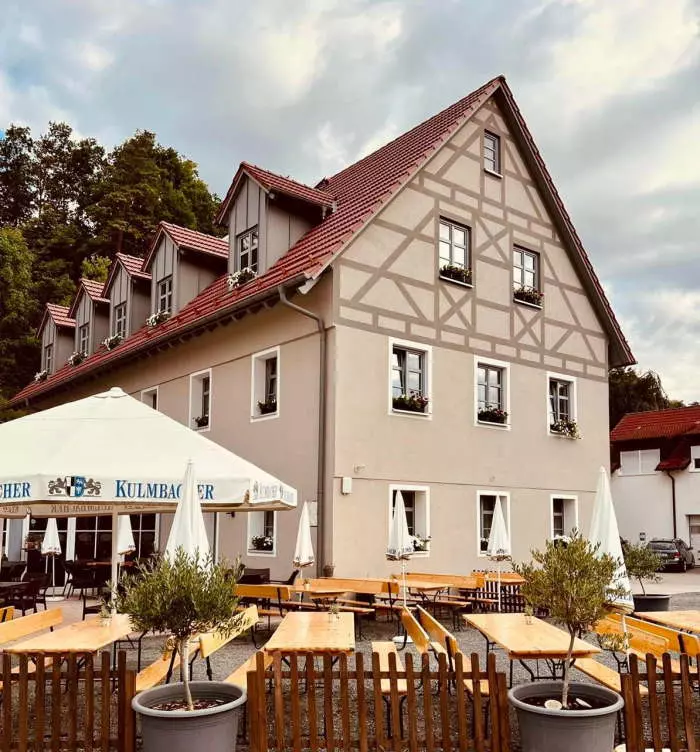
(74, 486)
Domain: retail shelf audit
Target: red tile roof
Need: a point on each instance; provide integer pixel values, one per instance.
(658, 424)
(190, 239)
(60, 316)
(270, 181)
(133, 265)
(359, 192)
(94, 290)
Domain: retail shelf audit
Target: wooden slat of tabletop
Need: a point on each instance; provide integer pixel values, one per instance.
(82, 637)
(314, 632)
(522, 640)
(688, 621)
(425, 585)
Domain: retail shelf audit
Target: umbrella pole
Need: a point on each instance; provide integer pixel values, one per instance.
(115, 558)
(499, 586)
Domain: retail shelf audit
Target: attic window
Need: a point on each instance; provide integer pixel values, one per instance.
(492, 152)
(247, 250)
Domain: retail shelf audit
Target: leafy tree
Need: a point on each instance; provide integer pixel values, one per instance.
(642, 563)
(95, 267)
(631, 391)
(16, 184)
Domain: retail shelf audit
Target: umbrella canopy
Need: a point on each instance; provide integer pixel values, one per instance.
(55, 463)
(499, 543)
(400, 542)
(304, 550)
(188, 531)
(125, 536)
(51, 545)
(604, 531)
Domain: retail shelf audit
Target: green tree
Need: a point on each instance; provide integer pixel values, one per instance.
(95, 267)
(16, 176)
(631, 392)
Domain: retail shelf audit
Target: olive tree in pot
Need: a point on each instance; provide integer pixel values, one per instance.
(182, 598)
(574, 583)
(642, 564)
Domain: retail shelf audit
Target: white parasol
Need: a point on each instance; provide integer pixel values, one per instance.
(304, 550)
(188, 531)
(498, 548)
(51, 546)
(400, 545)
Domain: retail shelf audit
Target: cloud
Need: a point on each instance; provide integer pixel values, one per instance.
(610, 90)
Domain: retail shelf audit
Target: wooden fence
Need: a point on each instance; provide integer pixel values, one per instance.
(669, 716)
(306, 701)
(62, 705)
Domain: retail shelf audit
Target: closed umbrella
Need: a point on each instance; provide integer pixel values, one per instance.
(304, 550)
(400, 545)
(498, 548)
(125, 536)
(51, 546)
(605, 533)
(188, 531)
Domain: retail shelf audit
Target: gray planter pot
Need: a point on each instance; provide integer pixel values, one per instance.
(651, 602)
(213, 730)
(543, 730)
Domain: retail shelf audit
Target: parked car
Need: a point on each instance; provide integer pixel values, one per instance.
(674, 553)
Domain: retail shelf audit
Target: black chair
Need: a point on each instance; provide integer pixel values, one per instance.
(24, 596)
(82, 578)
(290, 580)
(40, 584)
(96, 604)
(252, 576)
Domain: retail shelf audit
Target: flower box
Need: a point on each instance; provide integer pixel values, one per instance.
(266, 407)
(41, 375)
(157, 318)
(202, 421)
(456, 273)
(493, 415)
(77, 358)
(240, 278)
(529, 295)
(565, 427)
(414, 402)
(261, 543)
(421, 544)
(111, 342)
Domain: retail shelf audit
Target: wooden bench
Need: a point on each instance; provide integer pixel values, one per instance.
(16, 629)
(384, 650)
(210, 642)
(7, 613)
(420, 638)
(158, 671)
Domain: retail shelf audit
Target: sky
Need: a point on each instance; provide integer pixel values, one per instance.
(610, 91)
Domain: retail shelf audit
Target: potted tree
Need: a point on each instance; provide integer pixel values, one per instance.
(643, 564)
(181, 599)
(574, 583)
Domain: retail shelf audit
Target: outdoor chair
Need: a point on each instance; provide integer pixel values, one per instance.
(252, 576)
(24, 596)
(96, 602)
(82, 578)
(289, 581)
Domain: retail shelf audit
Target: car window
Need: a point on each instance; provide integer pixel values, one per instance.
(661, 546)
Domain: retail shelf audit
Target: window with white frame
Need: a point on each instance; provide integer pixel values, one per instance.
(639, 461)
(165, 295)
(695, 457)
(84, 338)
(561, 404)
(526, 269)
(454, 251)
(150, 397)
(486, 505)
(4, 534)
(410, 378)
(48, 358)
(491, 380)
(265, 383)
(492, 152)
(564, 516)
(262, 533)
(200, 400)
(247, 250)
(119, 324)
(416, 501)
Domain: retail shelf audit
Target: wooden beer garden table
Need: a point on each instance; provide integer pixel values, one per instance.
(686, 621)
(313, 632)
(536, 641)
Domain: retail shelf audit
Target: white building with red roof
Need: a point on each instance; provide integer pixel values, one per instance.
(425, 321)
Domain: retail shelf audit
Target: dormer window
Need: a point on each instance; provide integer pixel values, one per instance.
(248, 250)
(119, 327)
(84, 338)
(48, 358)
(165, 295)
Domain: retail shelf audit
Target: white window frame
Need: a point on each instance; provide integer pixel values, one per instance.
(249, 534)
(146, 395)
(565, 498)
(167, 296)
(239, 249)
(84, 328)
(496, 169)
(505, 505)
(639, 463)
(520, 249)
(694, 457)
(478, 360)
(451, 224)
(196, 400)
(115, 324)
(48, 358)
(425, 490)
(257, 382)
(4, 536)
(427, 351)
(138, 531)
(573, 400)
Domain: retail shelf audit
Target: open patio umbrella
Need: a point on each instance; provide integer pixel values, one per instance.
(51, 546)
(125, 536)
(604, 531)
(400, 545)
(498, 548)
(54, 463)
(304, 549)
(188, 531)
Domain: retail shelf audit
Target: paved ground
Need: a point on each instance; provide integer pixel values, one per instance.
(674, 583)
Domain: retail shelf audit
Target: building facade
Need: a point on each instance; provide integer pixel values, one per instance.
(425, 321)
(656, 475)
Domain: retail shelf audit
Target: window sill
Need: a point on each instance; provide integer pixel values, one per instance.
(256, 552)
(203, 429)
(529, 305)
(267, 416)
(420, 555)
(490, 424)
(493, 173)
(556, 435)
(468, 285)
(410, 414)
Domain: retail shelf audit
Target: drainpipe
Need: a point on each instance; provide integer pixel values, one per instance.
(321, 471)
(673, 499)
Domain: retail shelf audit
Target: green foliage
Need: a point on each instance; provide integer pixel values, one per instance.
(631, 392)
(574, 583)
(16, 190)
(642, 563)
(95, 267)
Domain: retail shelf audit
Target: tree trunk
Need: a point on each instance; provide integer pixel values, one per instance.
(567, 672)
(184, 648)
